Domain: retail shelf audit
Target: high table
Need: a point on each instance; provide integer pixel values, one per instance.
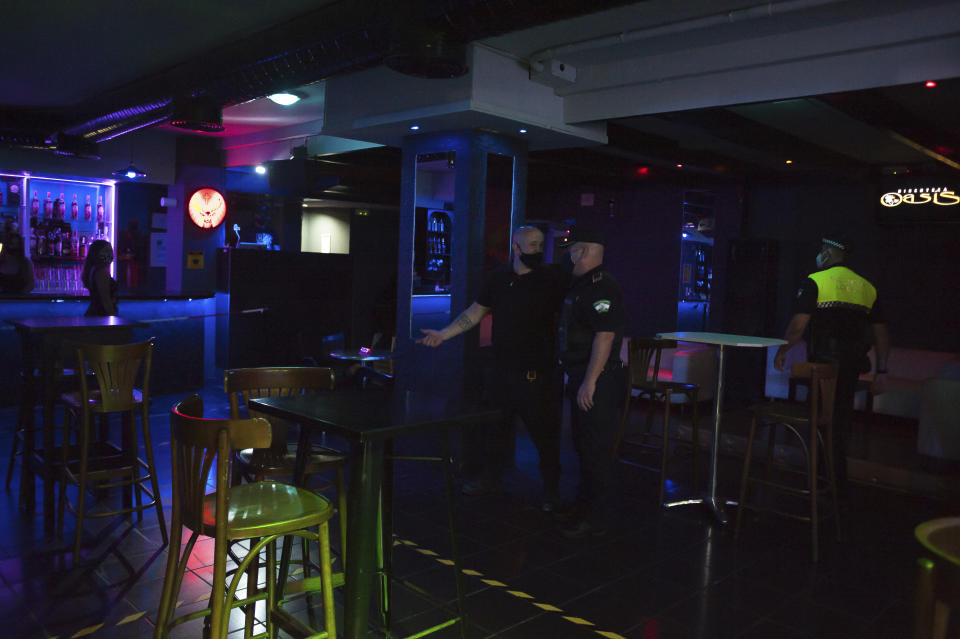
(42, 340)
(370, 420)
(722, 341)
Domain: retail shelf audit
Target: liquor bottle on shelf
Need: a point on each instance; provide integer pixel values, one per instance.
(87, 210)
(41, 242)
(75, 245)
(57, 242)
(59, 208)
(48, 207)
(33, 242)
(100, 209)
(65, 236)
(74, 208)
(34, 207)
(82, 253)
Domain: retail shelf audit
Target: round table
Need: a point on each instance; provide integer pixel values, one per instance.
(363, 354)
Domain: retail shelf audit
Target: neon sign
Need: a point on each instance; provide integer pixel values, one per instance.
(939, 196)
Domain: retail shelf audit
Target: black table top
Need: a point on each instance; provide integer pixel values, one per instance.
(365, 415)
(37, 324)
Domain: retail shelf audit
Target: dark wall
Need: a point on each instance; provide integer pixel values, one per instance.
(136, 201)
(915, 267)
(373, 248)
(642, 224)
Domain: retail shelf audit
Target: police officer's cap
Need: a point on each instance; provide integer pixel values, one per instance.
(583, 233)
(839, 241)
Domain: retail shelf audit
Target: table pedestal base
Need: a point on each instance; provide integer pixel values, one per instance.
(711, 503)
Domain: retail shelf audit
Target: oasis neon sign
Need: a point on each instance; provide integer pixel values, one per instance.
(939, 196)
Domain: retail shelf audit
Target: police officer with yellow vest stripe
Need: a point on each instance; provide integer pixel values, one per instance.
(840, 306)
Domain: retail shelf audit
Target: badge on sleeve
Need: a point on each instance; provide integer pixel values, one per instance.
(601, 306)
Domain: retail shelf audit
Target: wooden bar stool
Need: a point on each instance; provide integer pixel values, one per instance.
(816, 418)
(94, 463)
(938, 578)
(642, 380)
(262, 511)
(244, 384)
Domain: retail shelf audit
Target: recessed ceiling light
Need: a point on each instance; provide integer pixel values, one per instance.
(414, 127)
(679, 166)
(523, 131)
(789, 162)
(260, 169)
(131, 172)
(286, 98)
(929, 84)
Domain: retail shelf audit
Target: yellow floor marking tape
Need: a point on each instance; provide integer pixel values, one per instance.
(494, 582)
(517, 593)
(547, 607)
(610, 635)
(428, 553)
(132, 617)
(86, 631)
(579, 621)
(472, 573)
(446, 562)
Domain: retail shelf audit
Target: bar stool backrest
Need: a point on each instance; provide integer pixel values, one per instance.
(196, 444)
(276, 381)
(823, 388)
(640, 352)
(116, 368)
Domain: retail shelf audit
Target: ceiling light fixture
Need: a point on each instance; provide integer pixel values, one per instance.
(201, 113)
(414, 127)
(929, 84)
(286, 98)
(522, 131)
(789, 162)
(260, 169)
(679, 166)
(131, 172)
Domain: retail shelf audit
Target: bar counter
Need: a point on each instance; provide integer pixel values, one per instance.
(184, 325)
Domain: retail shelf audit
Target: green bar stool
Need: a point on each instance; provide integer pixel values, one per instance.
(261, 511)
(938, 578)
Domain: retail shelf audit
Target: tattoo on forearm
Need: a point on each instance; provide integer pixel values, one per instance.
(464, 322)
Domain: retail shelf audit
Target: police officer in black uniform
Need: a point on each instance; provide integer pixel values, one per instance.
(591, 332)
(840, 306)
(525, 298)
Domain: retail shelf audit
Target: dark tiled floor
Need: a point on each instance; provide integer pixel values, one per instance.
(656, 574)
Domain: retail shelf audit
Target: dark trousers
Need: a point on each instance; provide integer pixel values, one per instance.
(594, 435)
(848, 373)
(534, 396)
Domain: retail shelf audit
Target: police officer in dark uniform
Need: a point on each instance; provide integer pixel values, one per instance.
(525, 298)
(840, 307)
(591, 332)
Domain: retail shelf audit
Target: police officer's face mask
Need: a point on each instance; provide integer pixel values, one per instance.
(822, 259)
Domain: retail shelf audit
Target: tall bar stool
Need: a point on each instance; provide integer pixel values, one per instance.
(816, 418)
(279, 459)
(642, 380)
(262, 511)
(938, 578)
(96, 463)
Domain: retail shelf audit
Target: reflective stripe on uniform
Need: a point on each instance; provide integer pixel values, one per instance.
(839, 287)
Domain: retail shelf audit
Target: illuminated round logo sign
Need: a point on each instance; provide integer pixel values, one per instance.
(207, 208)
(940, 196)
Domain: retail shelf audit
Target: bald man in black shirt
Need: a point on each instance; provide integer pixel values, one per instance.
(525, 299)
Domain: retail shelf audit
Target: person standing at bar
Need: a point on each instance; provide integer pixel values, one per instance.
(524, 298)
(16, 271)
(591, 333)
(840, 306)
(96, 277)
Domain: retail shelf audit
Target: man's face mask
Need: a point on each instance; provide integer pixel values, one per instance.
(530, 260)
(822, 259)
